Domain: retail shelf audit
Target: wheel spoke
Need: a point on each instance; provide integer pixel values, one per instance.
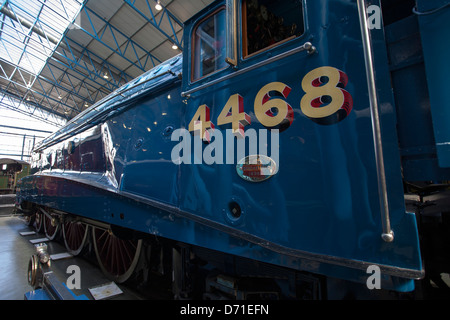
(75, 235)
(38, 221)
(117, 257)
(50, 230)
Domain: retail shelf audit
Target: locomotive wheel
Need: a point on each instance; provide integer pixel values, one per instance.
(75, 234)
(51, 227)
(39, 221)
(29, 219)
(117, 257)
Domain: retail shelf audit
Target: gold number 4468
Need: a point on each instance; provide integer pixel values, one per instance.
(325, 102)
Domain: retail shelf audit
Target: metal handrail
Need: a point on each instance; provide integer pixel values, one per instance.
(306, 46)
(388, 234)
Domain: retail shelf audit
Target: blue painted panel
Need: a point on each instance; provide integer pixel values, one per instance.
(41, 294)
(149, 170)
(38, 294)
(434, 29)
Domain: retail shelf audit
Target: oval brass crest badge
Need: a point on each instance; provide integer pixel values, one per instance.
(256, 168)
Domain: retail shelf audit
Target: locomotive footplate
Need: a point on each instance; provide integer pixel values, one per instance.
(52, 289)
(45, 283)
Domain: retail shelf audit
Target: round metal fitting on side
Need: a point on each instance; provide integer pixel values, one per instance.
(234, 211)
(388, 237)
(33, 271)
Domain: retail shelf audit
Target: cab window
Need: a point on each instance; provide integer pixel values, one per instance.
(209, 45)
(267, 23)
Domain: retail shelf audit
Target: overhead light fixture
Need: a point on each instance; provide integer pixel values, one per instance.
(158, 5)
(105, 76)
(174, 47)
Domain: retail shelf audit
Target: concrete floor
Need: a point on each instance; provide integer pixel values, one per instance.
(15, 253)
(14, 256)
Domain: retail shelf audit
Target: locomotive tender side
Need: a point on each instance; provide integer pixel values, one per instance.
(274, 139)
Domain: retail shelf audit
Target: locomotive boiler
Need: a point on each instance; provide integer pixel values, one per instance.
(295, 149)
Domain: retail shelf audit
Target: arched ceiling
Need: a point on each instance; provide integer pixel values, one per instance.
(58, 57)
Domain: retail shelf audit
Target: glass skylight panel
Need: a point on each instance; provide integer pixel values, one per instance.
(21, 45)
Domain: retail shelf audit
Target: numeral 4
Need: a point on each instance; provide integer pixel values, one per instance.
(201, 123)
(233, 113)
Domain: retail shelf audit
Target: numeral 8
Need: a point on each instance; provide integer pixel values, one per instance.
(326, 101)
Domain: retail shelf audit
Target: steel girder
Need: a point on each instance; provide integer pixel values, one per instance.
(156, 20)
(73, 73)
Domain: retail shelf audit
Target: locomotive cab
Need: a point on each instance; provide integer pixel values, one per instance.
(229, 39)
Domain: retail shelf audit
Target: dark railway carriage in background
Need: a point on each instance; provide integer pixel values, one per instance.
(343, 185)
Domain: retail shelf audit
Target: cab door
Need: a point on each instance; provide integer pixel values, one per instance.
(289, 83)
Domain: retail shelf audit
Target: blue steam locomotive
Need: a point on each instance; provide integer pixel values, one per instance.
(295, 149)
